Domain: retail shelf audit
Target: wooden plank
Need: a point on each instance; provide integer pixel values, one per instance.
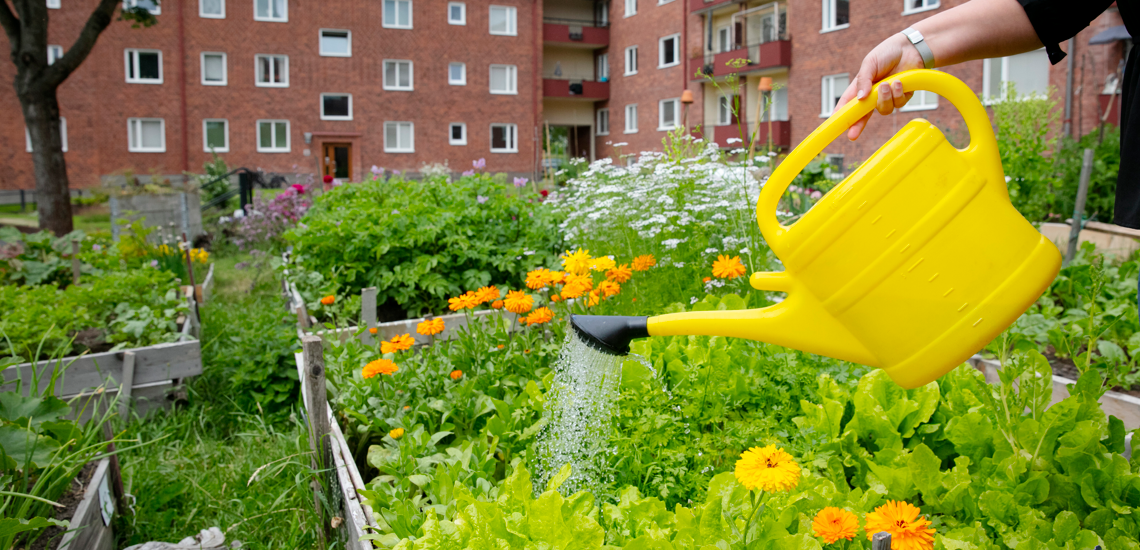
(86, 530)
(127, 385)
(368, 314)
(314, 380)
(147, 398)
(158, 363)
(208, 284)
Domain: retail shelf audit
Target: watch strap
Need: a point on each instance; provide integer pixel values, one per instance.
(920, 44)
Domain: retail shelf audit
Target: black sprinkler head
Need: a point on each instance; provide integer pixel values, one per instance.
(610, 333)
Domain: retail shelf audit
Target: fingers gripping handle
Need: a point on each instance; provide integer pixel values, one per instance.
(981, 138)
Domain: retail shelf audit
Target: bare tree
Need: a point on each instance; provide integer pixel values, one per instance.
(36, 84)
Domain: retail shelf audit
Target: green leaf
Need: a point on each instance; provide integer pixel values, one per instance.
(559, 478)
(1065, 525)
(14, 406)
(924, 470)
(26, 448)
(13, 526)
(419, 480)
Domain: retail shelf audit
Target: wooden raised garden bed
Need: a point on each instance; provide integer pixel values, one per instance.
(91, 526)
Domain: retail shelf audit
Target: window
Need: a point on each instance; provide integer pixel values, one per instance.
(631, 118)
(667, 113)
(214, 69)
(724, 110)
(631, 60)
(1026, 73)
(398, 14)
(503, 20)
(397, 75)
(836, 14)
(272, 71)
(603, 67)
(146, 135)
(457, 133)
(54, 53)
(271, 10)
(150, 6)
(336, 106)
(215, 135)
(630, 7)
(724, 39)
(457, 74)
(669, 51)
(830, 91)
(144, 66)
(273, 136)
(336, 43)
(835, 172)
(212, 9)
(775, 107)
(52, 4)
(922, 100)
(399, 137)
(915, 6)
(456, 13)
(504, 138)
(504, 79)
(62, 135)
(603, 125)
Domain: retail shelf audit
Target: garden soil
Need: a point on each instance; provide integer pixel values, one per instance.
(70, 501)
(1064, 367)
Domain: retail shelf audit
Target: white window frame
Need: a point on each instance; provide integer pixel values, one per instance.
(928, 5)
(52, 5)
(827, 25)
(602, 122)
(512, 21)
(321, 36)
(724, 31)
(395, 86)
(661, 126)
(1004, 85)
(631, 128)
(205, 15)
(54, 52)
(630, 60)
(915, 105)
(62, 135)
(724, 110)
(462, 13)
(334, 117)
(282, 19)
(257, 71)
(205, 139)
(383, 21)
(512, 79)
(128, 53)
(274, 148)
(512, 140)
(225, 69)
(603, 66)
(396, 148)
(676, 38)
(630, 8)
(157, 10)
(827, 90)
(450, 139)
(135, 125)
(462, 81)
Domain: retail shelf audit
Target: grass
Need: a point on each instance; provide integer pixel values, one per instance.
(94, 220)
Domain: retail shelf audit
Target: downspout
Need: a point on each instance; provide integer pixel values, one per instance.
(684, 46)
(1068, 124)
(182, 87)
(537, 88)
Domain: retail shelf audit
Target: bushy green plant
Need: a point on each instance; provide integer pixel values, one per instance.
(1025, 138)
(1101, 199)
(38, 258)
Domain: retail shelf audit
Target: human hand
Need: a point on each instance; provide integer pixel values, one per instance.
(892, 56)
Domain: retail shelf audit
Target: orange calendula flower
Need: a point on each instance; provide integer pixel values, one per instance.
(487, 294)
(557, 277)
(379, 366)
(594, 298)
(574, 290)
(727, 268)
(620, 274)
(500, 346)
(328, 300)
(518, 302)
(456, 374)
(555, 298)
(644, 262)
(900, 519)
(373, 330)
(706, 280)
(585, 281)
(430, 327)
(768, 469)
(832, 524)
(608, 288)
(605, 263)
(540, 316)
(577, 262)
(467, 300)
(396, 433)
(397, 344)
(497, 304)
(539, 278)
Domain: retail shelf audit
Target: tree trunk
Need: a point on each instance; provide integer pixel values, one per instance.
(53, 198)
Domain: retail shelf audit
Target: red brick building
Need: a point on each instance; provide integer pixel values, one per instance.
(338, 86)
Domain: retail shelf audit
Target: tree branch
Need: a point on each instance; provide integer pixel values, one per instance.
(11, 26)
(99, 19)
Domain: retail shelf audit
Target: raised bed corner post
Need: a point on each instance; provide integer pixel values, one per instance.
(320, 440)
(190, 273)
(1079, 207)
(128, 381)
(368, 314)
(881, 541)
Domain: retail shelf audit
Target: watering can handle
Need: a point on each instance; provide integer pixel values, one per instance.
(963, 98)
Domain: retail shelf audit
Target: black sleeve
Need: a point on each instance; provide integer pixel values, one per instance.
(1058, 20)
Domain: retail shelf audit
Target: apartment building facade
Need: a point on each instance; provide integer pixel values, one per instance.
(338, 86)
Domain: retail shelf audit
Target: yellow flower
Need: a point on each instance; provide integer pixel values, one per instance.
(900, 519)
(577, 262)
(397, 343)
(540, 316)
(456, 374)
(539, 278)
(832, 524)
(396, 433)
(620, 273)
(608, 288)
(727, 268)
(518, 302)
(583, 281)
(767, 469)
(594, 299)
(328, 300)
(605, 263)
(644, 262)
(430, 327)
(557, 277)
(379, 366)
(487, 294)
(467, 300)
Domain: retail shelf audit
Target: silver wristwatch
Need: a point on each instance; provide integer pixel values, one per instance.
(919, 42)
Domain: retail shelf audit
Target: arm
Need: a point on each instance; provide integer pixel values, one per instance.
(975, 30)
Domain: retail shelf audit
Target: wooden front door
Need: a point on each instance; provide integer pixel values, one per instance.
(337, 160)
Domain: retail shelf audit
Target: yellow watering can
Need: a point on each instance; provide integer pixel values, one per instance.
(913, 263)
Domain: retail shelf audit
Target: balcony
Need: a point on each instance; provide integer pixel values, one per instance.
(781, 134)
(701, 5)
(586, 90)
(765, 55)
(575, 33)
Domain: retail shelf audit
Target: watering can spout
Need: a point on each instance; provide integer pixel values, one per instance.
(609, 334)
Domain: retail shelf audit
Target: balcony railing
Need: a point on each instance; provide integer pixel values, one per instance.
(584, 32)
(698, 5)
(576, 22)
(762, 54)
(781, 134)
(574, 88)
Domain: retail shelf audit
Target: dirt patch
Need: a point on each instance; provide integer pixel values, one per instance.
(1065, 368)
(70, 501)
